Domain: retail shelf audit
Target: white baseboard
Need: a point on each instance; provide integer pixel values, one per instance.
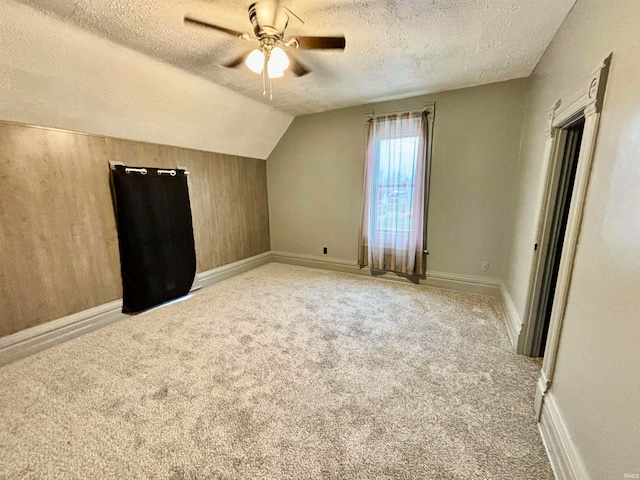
(215, 275)
(565, 460)
(316, 261)
(32, 340)
(511, 316)
(464, 283)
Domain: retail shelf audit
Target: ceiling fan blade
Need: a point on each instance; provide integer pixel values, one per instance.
(312, 43)
(211, 25)
(236, 62)
(296, 67)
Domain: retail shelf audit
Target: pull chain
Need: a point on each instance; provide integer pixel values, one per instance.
(264, 75)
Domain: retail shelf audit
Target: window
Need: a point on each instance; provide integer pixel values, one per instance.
(394, 180)
(394, 193)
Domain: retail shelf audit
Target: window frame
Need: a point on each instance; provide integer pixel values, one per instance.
(429, 110)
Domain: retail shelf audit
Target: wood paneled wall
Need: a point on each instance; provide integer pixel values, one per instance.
(58, 239)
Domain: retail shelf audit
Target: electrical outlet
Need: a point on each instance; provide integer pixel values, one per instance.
(485, 266)
(324, 250)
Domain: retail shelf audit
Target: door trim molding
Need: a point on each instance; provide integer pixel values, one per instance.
(553, 155)
(587, 104)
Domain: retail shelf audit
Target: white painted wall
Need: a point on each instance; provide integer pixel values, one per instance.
(57, 75)
(315, 177)
(597, 378)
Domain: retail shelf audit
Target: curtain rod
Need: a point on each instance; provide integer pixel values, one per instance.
(428, 108)
(143, 171)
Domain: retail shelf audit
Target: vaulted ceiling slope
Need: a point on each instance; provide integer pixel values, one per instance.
(395, 48)
(56, 74)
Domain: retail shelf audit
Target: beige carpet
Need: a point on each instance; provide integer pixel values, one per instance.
(282, 372)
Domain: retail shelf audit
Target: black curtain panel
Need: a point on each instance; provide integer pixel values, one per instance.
(155, 234)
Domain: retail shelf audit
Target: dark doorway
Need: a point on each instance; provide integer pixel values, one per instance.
(555, 241)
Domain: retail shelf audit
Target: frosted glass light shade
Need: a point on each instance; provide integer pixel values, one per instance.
(278, 60)
(255, 61)
(274, 72)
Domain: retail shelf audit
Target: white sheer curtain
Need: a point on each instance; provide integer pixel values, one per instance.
(394, 194)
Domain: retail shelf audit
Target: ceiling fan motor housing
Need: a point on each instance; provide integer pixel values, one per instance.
(266, 21)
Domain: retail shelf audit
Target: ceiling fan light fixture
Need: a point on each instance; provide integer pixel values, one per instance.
(278, 62)
(269, 20)
(255, 61)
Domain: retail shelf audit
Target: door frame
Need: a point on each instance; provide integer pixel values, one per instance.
(559, 193)
(588, 104)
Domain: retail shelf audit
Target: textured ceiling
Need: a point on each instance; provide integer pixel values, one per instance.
(54, 74)
(395, 48)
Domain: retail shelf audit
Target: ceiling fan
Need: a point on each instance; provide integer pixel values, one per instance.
(269, 20)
